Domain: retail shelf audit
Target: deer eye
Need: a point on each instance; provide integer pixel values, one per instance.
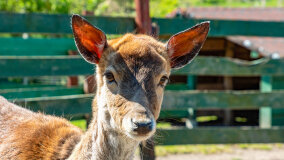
(163, 81)
(109, 77)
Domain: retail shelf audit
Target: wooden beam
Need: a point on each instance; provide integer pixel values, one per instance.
(215, 66)
(219, 135)
(60, 23)
(28, 66)
(221, 28)
(41, 23)
(173, 100)
(36, 46)
(40, 92)
(59, 106)
(222, 99)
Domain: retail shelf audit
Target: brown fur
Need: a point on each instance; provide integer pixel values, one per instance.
(138, 63)
(27, 135)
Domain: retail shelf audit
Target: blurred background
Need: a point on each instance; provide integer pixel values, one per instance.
(227, 104)
(158, 8)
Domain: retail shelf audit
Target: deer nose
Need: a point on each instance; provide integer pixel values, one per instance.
(142, 127)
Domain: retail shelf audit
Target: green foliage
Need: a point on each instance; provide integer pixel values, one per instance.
(162, 8)
(158, 8)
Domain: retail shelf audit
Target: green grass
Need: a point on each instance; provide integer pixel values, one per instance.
(191, 149)
(211, 148)
(80, 123)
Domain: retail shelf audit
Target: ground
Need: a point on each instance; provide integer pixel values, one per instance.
(223, 152)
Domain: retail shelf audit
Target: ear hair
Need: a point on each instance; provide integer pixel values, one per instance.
(184, 46)
(89, 40)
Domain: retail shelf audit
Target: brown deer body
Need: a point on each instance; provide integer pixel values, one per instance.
(131, 73)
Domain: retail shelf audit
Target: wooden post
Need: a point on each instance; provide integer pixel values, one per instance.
(265, 115)
(271, 116)
(228, 84)
(142, 19)
(147, 151)
(72, 80)
(191, 120)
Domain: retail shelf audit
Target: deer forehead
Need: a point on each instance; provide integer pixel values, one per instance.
(136, 54)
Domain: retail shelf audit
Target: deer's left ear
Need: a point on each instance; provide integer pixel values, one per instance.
(90, 40)
(184, 46)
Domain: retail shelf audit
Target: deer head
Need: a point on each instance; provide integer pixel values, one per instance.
(132, 72)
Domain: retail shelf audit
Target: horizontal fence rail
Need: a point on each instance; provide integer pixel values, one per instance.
(180, 100)
(36, 46)
(222, 27)
(219, 135)
(40, 92)
(44, 23)
(29, 66)
(60, 24)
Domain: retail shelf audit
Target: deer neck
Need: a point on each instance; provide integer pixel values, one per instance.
(103, 140)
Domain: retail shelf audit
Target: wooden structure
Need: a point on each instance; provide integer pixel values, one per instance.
(35, 57)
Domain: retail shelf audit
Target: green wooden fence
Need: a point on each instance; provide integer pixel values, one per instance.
(35, 57)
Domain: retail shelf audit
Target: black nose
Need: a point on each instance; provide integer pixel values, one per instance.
(143, 127)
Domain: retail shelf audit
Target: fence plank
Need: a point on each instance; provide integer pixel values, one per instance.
(46, 23)
(219, 135)
(36, 46)
(223, 27)
(60, 23)
(40, 92)
(232, 67)
(44, 66)
(59, 106)
(75, 65)
(173, 100)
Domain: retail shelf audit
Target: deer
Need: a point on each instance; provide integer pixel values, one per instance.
(131, 74)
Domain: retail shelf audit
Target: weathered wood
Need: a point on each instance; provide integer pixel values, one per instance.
(41, 23)
(169, 114)
(222, 99)
(59, 106)
(39, 92)
(75, 65)
(173, 100)
(271, 116)
(232, 67)
(228, 84)
(13, 85)
(265, 113)
(223, 27)
(36, 46)
(147, 149)
(72, 80)
(219, 135)
(44, 66)
(60, 24)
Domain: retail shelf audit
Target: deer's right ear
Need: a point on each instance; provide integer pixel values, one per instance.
(89, 40)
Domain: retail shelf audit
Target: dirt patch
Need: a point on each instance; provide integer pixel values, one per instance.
(237, 154)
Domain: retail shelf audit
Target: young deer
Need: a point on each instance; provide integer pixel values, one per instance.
(131, 73)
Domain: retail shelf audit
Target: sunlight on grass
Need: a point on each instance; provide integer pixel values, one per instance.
(80, 123)
(211, 148)
(164, 125)
(192, 149)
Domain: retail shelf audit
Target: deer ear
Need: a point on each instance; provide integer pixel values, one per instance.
(184, 46)
(89, 40)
